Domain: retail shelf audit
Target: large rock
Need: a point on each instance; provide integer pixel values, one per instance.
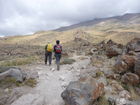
(15, 73)
(113, 50)
(120, 66)
(125, 94)
(133, 45)
(137, 65)
(129, 60)
(82, 92)
(130, 78)
(124, 63)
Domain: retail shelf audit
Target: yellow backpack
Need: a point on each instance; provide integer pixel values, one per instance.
(50, 48)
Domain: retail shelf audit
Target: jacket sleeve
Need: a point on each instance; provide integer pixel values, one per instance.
(61, 48)
(46, 47)
(54, 48)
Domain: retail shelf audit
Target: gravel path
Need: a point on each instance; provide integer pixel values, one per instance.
(51, 83)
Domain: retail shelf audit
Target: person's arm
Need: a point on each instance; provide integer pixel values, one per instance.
(54, 48)
(61, 48)
(46, 47)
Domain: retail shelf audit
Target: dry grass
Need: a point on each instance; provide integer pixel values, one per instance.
(102, 101)
(30, 82)
(10, 82)
(134, 94)
(108, 30)
(132, 91)
(19, 61)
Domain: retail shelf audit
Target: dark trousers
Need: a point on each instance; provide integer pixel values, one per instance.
(58, 57)
(48, 56)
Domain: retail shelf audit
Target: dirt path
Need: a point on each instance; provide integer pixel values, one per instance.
(51, 83)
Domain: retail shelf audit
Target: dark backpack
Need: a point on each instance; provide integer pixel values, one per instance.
(58, 49)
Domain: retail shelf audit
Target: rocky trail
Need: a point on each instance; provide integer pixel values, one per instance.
(109, 74)
(51, 83)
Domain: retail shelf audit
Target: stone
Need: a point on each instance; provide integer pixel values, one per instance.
(102, 80)
(117, 87)
(125, 94)
(137, 90)
(111, 101)
(113, 76)
(15, 73)
(82, 92)
(133, 45)
(130, 78)
(121, 101)
(124, 64)
(113, 51)
(137, 65)
(120, 66)
(129, 60)
(62, 78)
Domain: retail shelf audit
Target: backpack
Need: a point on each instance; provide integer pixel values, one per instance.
(58, 49)
(49, 47)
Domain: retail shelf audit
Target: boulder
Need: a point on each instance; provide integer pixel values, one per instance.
(133, 45)
(113, 76)
(129, 60)
(137, 65)
(130, 78)
(123, 101)
(113, 50)
(82, 92)
(125, 94)
(124, 63)
(120, 66)
(15, 73)
(116, 86)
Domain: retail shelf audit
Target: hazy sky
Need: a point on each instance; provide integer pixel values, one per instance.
(28, 16)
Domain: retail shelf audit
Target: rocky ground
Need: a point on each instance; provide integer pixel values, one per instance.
(104, 74)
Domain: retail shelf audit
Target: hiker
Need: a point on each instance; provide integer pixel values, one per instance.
(48, 53)
(57, 51)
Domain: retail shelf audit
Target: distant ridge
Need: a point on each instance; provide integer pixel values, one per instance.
(123, 18)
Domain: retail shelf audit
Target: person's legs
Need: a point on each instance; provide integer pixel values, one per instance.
(46, 57)
(58, 56)
(50, 58)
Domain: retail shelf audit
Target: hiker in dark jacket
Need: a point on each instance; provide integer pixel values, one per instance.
(58, 51)
(48, 53)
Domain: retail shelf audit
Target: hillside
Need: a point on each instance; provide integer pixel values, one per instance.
(121, 29)
(106, 73)
(124, 19)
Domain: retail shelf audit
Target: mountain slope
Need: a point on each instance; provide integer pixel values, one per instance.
(127, 18)
(120, 29)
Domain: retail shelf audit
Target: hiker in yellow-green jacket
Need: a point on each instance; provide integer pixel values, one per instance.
(48, 53)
